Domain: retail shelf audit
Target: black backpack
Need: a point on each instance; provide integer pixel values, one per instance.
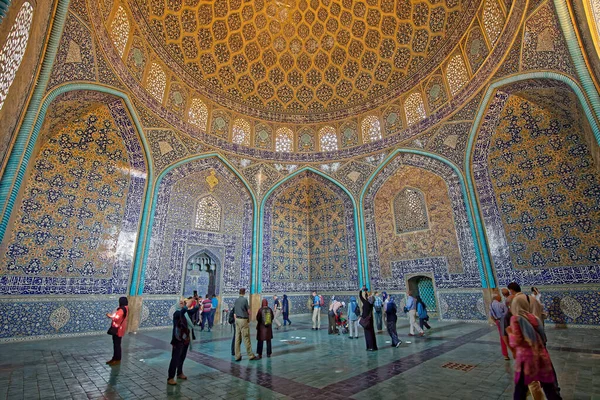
(231, 317)
(357, 311)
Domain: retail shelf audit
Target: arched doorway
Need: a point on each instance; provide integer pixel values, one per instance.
(200, 275)
(424, 287)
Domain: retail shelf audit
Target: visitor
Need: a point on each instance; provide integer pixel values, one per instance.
(385, 299)
(231, 321)
(498, 311)
(422, 313)
(378, 311)
(242, 326)
(411, 307)
(534, 306)
(277, 311)
(506, 320)
(353, 316)
(316, 306)
(206, 306)
(334, 308)
(532, 361)
(196, 301)
(213, 311)
(181, 339)
(536, 293)
(285, 308)
(118, 327)
(391, 318)
(366, 319)
(264, 328)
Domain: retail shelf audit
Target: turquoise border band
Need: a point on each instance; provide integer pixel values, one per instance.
(156, 187)
(39, 121)
(470, 213)
(361, 272)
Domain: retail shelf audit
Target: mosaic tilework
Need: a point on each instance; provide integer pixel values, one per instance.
(391, 276)
(547, 243)
(434, 234)
(75, 56)
(165, 146)
(451, 141)
(309, 237)
(157, 311)
(544, 46)
(79, 8)
(354, 175)
(87, 245)
(462, 306)
(572, 305)
(173, 227)
(106, 74)
(58, 316)
(512, 61)
(469, 110)
(137, 58)
(261, 178)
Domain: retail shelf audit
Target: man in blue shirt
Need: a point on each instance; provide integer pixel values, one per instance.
(411, 306)
(213, 310)
(316, 318)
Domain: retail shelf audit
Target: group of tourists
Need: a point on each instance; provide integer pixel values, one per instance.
(377, 309)
(520, 321)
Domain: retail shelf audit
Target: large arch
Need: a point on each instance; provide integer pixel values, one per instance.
(217, 162)
(539, 269)
(469, 241)
(22, 151)
(335, 183)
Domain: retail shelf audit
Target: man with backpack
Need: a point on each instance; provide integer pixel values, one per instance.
(242, 326)
(353, 317)
(318, 302)
(264, 328)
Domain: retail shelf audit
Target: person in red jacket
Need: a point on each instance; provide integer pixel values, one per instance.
(117, 329)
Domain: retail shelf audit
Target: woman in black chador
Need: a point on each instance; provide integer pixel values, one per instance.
(366, 319)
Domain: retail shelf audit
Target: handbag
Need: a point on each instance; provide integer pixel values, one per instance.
(112, 330)
(364, 322)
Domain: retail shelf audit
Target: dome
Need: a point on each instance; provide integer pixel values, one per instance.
(282, 59)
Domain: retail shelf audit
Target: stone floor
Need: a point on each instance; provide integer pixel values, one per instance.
(306, 364)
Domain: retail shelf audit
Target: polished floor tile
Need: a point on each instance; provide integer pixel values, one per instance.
(306, 364)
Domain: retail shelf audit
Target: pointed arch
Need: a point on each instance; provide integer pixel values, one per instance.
(13, 177)
(361, 272)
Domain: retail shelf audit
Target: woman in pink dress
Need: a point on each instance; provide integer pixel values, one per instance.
(532, 361)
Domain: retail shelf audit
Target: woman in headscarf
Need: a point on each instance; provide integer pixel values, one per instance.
(366, 319)
(264, 328)
(117, 329)
(391, 318)
(285, 308)
(532, 361)
(353, 318)
(181, 339)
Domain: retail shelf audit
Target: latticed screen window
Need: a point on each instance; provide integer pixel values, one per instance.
(241, 132)
(493, 20)
(328, 139)
(14, 49)
(198, 114)
(410, 211)
(456, 74)
(284, 139)
(119, 30)
(156, 82)
(208, 214)
(371, 129)
(414, 108)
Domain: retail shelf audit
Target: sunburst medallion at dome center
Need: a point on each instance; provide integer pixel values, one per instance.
(290, 57)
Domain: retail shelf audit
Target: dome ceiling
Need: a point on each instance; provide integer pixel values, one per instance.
(285, 60)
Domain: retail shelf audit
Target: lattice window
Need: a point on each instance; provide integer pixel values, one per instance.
(414, 108)
(284, 139)
(328, 139)
(410, 211)
(456, 74)
(241, 132)
(119, 30)
(156, 81)
(208, 214)
(371, 129)
(198, 114)
(493, 20)
(14, 49)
